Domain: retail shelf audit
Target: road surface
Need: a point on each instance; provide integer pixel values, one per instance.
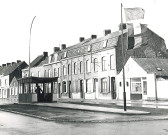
(14, 124)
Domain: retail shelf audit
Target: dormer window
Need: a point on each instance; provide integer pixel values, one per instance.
(159, 69)
(89, 48)
(65, 54)
(105, 43)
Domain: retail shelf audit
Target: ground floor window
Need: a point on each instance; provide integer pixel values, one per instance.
(104, 85)
(89, 86)
(136, 86)
(64, 90)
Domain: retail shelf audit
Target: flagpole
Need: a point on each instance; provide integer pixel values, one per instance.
(123, 57)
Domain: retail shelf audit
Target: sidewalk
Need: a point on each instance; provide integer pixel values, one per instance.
(93, 108)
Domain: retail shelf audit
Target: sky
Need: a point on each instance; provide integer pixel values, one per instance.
(64, 21)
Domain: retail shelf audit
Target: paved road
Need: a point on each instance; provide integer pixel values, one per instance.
(14, 124)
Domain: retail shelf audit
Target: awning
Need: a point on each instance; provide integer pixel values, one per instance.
(38, 80)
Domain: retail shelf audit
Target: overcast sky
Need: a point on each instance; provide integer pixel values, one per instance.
(64, 21)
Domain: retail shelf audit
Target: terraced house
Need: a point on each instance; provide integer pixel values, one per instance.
(8, 72)
(89, 69)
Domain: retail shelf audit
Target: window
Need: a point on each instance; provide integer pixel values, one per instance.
(95, 62)
(58, 72)
(45, 73)
(65, 54)
(89, 86)
(104, 85)
(145, 87)
(75, 67)
(103, 64)
(68, 69)
(39, 75)
(104, 43)
(55, 72)
(5, 81)
(64, 87)
(112, 62)
(64, 70)
(81, 66)
(49, 73)
(88, 66)
(136, 86)
(89, 48)
(32, 74)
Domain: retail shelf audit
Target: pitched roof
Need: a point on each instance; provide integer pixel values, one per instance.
(10, 68)
(159, 66)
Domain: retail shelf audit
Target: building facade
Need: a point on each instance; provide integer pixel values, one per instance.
(7, 73)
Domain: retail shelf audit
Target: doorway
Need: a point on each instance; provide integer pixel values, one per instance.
(113, 88)
(81, 89)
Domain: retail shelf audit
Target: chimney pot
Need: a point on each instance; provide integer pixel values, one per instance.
(106, 32)
(81, 39)
(63, 46)
(93, 36)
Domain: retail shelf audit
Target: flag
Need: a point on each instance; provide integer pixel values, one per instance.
(134, 13)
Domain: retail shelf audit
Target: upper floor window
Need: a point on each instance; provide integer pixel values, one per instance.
(104, 43)
(58, 72)
(81, 64)
(55, 72)
(104, 85)
(39, 75)
(68, 69)
(75, 68)
(112, 62)
(103, 63)
(45, 73)
(88, 66)
(32, 74)
(95, 66)
(64, 70)
(49, 73)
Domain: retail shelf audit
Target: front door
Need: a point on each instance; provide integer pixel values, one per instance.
(113, 88)
(81, 88)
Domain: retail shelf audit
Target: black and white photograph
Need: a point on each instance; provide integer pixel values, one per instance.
(83, 67)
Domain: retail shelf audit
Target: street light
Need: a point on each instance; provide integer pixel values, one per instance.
(29, 46)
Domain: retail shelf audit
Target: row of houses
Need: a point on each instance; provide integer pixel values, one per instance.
(92, 69)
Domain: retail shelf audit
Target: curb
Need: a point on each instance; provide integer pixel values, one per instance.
(85, 121)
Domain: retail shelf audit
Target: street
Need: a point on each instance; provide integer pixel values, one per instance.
(14, 124)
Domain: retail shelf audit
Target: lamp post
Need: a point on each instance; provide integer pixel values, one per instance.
(29, 47)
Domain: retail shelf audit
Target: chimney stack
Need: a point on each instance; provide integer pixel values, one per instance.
(3, 65)
(124, 26)
(45, 54)
(81, 39)
(18, 61)
(93, 36)
(13, 63)
(63, 46)
(56, 49)
(7, 64)
(106, 32)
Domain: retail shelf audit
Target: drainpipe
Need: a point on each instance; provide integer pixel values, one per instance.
(155, 88)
